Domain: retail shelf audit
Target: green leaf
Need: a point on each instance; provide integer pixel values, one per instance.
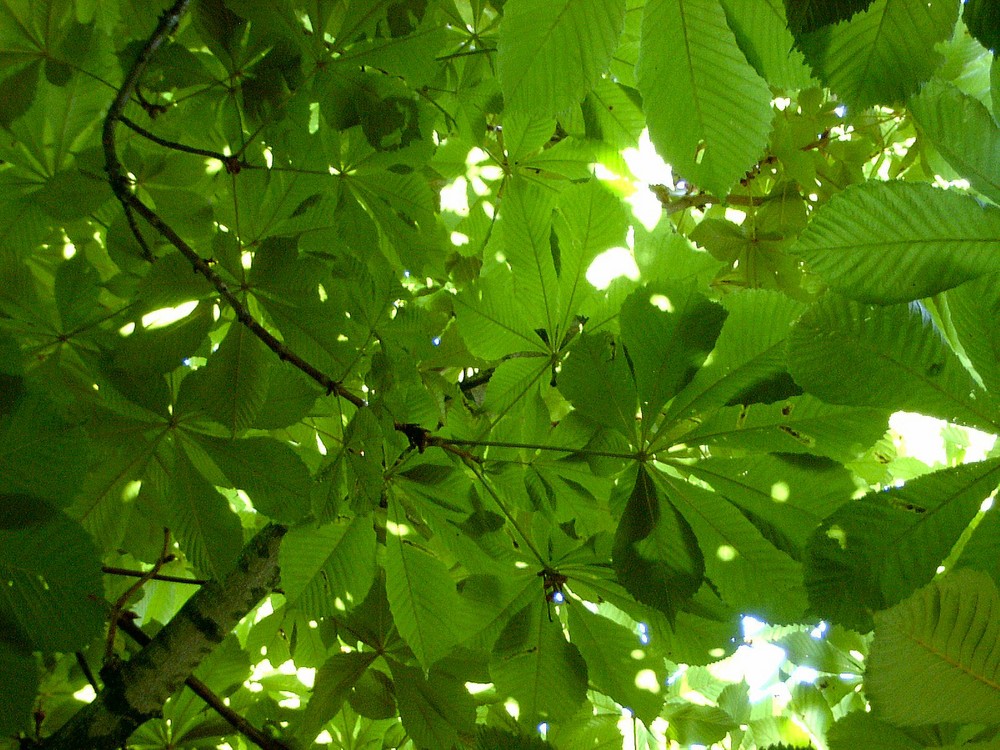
(334, 682)
(533, 663)
(76, 290)
(709, 113)
(590, 219)
(490, 320)
(874, 552)
(863, 731)
(737, 555)
(436, 710)
(750, 350)
(422, 595)
(656, 556)
(895, 241)
(982, 17)
(668, 331)
(784, 495)
(801, 424)
(551, 52)
(809, 15)
(233, 385)
(330, 568)
(525, 227)
(271, 473)
(208, 530)
(51, 578)
(699, 725)
(40, 453)
(19, 672)
(975, 307)
(612, 115)
(963, 131)
(763, 35)
(596, 379)
(933, 658)
(883, 54)
(891, 358)
(616, 663)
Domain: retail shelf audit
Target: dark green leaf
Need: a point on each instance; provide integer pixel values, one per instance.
(656, 555)
(51, 578)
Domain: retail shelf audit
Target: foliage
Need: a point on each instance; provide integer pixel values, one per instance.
(308, 285)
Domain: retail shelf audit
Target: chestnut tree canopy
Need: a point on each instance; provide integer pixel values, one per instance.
(498, 374)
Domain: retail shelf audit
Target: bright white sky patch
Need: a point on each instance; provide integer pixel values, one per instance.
(610, 265)
(919, 436)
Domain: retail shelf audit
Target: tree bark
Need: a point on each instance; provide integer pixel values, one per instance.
(136, 691)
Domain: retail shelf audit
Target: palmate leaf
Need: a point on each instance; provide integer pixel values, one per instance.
(435, 710)
(552, 51)
(616, 665)
(963, 131)
(422, 595)
(51, 579)
(895, 242)
(883, 54)
(533, 663)
(708, 111)
(801, 424)
(891, 358)
(668, 331)
(232, 387)
(330, 568)
(876, 551)
(737, 555)
(750, 350)
(656, 556)
(934, 656)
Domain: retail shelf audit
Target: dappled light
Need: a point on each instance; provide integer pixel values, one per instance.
(532, 374)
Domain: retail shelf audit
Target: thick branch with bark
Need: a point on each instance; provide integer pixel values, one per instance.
(136, 691)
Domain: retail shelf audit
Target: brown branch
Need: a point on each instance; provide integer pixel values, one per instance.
(232, 163)
(121, 601)
(120, 186)
(199, 688)
(112, 571)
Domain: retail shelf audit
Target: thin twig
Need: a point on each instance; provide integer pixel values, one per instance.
(199, 688)
(121, 601)
(87, 671)
(109, 570)
(233, 163)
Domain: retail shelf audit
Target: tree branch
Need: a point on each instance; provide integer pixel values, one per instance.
(120, 185)
(199, 688)
(136, 691)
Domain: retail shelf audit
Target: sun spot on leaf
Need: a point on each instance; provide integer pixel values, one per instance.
(397, 529)
(726, 553)
(780, 492)
(661, 302)
(645, 679)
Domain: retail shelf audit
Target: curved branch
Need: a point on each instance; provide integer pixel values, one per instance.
(131, 203)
